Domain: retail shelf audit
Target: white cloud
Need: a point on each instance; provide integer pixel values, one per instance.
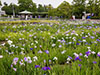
(54, 3)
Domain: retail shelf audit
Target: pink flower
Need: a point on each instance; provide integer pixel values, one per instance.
(14, 69)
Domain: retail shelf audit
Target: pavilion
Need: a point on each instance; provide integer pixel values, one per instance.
(25, 15)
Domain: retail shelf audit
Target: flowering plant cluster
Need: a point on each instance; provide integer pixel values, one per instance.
(64, 48)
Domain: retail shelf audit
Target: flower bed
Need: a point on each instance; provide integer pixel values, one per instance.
(67, 48)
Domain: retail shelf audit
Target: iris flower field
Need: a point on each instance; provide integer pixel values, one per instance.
(64, 48)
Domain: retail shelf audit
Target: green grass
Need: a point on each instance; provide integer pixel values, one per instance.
(28, 21)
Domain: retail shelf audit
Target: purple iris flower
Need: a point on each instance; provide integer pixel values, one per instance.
(34, 22)
(40, 51)
(88, 53)
(96, 27)
(73, 31)
(79, 65)
(94, 62)
(98, 40)
(60, 46)
(66, 43)
(77, 58)
(37, 66)
(16, 59)
(46, 68)
(81, 54)
(11, 65)
(83, 37)
(31, 48)
(15, 31)
(77, 43)
(79, 40)
(86, 43)
(92, 37)
(29, 61)
(67, 32)
(24, 29)
(44, 61)
(47, 51)
(98, 54)
(63, 40)
(49, 60)
(25, 59)
(22, 23)
(62, 27)
(70, 57)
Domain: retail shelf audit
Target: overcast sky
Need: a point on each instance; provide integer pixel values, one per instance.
(54, 3)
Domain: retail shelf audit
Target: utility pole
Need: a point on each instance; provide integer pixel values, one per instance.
(13, 10)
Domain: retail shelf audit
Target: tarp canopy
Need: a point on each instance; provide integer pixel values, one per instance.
(25, 12)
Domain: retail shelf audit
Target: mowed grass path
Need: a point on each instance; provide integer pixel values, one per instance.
(28, 21)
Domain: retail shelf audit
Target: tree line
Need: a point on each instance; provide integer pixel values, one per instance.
(64, 10)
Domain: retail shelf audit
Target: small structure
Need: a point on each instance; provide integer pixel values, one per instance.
(25, 15)
(2, 12)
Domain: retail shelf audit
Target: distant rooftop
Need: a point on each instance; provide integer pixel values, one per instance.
(25, 12)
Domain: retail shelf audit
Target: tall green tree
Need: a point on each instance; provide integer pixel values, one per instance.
(9, 8)
(52, 12)
(6, 8)
(49, 7)
(14, 7)
(45, 8)
(78, 7)
(64, 10)
(93, 6)
(27, 5)
(40, 8)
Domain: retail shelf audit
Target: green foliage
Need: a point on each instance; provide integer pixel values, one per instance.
(27, 5)
(52, 12)
(78, 7)
(40, 8)
(46, 8)
(28, 22)
(64, 10)
(9, 8)
(93, 6)
(95, 17)
(90, 6)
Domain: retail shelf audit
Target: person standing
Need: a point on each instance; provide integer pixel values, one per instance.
(26, 17)
(73, 17)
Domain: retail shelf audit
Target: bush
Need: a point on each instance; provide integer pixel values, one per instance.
(95, 17)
